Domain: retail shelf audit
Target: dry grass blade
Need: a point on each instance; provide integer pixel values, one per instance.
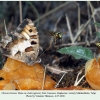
(76, 84)
(96, 10)
(77, 78)
(79, 19)
(48, 7)
(20, 9)
(52, 11)
(69, 28)
(60, 80)
(89, 26)
(44, 76)
(78, 81)
(80, 43)
(34, 10)
(81, 29)
(92, 10)
(57, 70)
(5, 27)
(55, 27)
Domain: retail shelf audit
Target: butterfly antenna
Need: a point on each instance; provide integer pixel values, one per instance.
(5, 27)
(42, 53)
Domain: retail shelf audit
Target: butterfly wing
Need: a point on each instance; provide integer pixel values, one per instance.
(23, 43)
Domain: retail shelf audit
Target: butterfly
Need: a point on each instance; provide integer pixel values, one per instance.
(21, 44)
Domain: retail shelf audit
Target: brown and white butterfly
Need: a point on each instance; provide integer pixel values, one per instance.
(22, 44)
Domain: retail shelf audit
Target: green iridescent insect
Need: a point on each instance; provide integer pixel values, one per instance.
(97, 44)
(57, 35)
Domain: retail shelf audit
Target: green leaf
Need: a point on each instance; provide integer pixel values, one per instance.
(98, 24)
(77, 52)
(98, 34)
